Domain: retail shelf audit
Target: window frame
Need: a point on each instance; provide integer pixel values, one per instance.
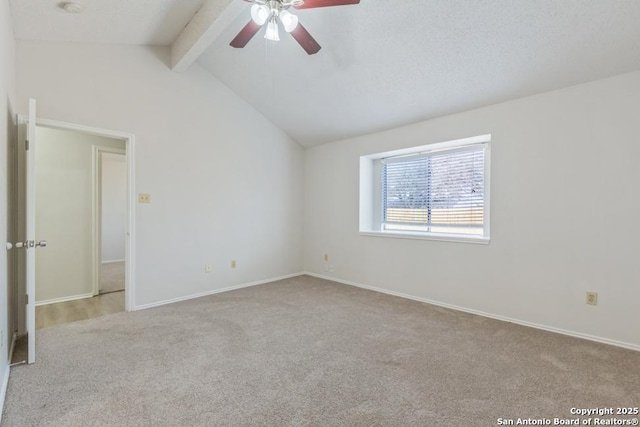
(371, 203)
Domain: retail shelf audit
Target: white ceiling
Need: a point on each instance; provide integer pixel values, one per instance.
(150, 22)
(383, 63)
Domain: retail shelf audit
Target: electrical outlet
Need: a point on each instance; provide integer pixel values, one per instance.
(208, 268)
(592, 298)
(331, 268)
(326, 257)
(144, 198)
(233, 263)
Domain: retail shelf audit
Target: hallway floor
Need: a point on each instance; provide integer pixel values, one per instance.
(71, 311)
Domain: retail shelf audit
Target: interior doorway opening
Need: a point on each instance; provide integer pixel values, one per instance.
(71, 289)
(111, 177)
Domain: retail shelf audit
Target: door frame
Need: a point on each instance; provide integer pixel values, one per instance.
(129, 140)
(96, 223)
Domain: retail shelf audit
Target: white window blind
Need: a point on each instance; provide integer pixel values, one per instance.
(435, 192)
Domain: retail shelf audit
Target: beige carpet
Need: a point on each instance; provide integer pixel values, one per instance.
(307, 352)
(112, 277)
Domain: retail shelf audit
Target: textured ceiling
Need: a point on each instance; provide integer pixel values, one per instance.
(383, 63)
(389, 63)
(150, 22)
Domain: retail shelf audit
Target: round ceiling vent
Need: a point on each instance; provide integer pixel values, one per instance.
(71, 7)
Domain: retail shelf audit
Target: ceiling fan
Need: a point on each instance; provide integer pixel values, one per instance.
(271, 11)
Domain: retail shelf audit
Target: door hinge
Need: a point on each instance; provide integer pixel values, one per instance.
(26, 298)
(26, 145)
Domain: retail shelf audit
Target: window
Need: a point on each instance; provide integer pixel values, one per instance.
(435, 191)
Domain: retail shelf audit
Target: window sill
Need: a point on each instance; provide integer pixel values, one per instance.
(479, 240)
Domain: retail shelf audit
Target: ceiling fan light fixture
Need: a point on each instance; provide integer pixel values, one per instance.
(272, 31)
(271, 12)
(289, 21)
(260, 13)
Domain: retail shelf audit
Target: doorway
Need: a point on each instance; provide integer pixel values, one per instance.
(111, 192)
(68, 269)
(68, 213)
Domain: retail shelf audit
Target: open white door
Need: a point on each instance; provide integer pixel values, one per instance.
(30, 242)
(27, 133)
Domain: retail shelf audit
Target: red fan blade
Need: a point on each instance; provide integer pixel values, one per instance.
(307, 42)
(308, 4)
(245, 34)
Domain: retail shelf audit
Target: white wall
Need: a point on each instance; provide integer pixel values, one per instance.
(114, 206)
(7, 132)
(224, 182)
(564, 213)
(64, 212)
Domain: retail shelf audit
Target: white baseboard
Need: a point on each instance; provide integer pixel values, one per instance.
(622, 344)
(215, 291)
(3, 388)
(111, 261)
(63, 299)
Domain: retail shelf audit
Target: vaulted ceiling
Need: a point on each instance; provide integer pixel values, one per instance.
(382, 64)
